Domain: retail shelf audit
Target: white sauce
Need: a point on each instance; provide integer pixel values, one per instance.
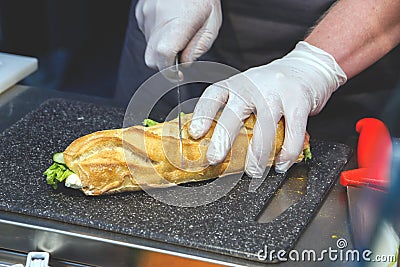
(73, 181)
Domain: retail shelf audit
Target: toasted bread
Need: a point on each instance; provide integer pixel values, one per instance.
(129, 159)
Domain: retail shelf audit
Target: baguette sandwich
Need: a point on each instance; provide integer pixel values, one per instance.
(129, 159)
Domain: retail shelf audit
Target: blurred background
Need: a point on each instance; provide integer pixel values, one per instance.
(78, 42)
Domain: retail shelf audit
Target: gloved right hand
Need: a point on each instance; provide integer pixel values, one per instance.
(295, 86)
(172, 26)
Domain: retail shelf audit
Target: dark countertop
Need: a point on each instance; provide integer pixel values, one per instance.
(326, 228)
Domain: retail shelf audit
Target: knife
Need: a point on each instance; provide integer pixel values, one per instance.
(367, 185)
(178, 94)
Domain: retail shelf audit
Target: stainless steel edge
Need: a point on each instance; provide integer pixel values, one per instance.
(9, 258)
(90, 246)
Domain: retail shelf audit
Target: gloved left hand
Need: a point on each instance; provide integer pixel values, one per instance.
(173, 26)
(295, 86)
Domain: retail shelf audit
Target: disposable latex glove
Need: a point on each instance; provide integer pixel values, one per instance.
(295, 86)
(172, 26)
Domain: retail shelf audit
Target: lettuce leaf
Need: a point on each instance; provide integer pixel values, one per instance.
(57, 173)
(149, 122)
(307, 154)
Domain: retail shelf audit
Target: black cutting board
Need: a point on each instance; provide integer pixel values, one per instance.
(226, 226)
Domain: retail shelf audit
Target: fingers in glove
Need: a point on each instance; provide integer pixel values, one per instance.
(261, 150)
(139, 15)
(212, 100)
(295, 130)
(160, 52)
(203, 39)
(228, 126)
(165, 43)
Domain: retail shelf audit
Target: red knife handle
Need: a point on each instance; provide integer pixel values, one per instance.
(362, 177)
(374, 153)
(374, 144)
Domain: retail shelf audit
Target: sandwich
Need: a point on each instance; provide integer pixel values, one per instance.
(148, 156)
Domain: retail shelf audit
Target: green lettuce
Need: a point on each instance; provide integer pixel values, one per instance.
(149, 122)
(57, 172)
(307, 154)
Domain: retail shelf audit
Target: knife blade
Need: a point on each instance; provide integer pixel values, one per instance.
(178, 94)
(363, 204)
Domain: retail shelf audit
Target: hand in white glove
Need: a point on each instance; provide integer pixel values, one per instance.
(172, 26)
(295, 86)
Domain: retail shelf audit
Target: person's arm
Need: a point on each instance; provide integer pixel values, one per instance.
(351, 37)
(358, 33)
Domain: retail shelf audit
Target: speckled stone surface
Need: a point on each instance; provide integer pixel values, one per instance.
(225, 226)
